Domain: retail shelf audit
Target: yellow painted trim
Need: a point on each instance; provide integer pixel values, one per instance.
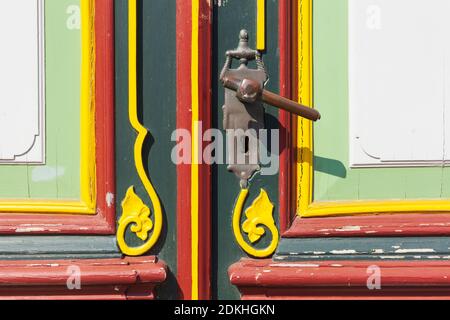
(132, 203)
(87, 173)
(195, 149)
(87, 204)
(305, 90)
(259, 214)
(324, 209)
(305, 174)
(42, 206)
(261, 25)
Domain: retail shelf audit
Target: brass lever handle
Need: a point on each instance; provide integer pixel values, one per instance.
(248, 91)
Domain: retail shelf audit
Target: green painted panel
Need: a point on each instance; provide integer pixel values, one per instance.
(228, 20)
(59, 177)
(333, 179)
(58, 247)
(157, 111)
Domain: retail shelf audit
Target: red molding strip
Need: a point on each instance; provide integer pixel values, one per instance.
(184, 121)
(285, 118)
(104, 221)
(105, 115)
(205, 192)
(340, 280)
(400, 225)
(115, 279)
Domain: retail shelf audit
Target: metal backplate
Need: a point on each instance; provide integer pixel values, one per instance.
(243, 121)
(239, 117)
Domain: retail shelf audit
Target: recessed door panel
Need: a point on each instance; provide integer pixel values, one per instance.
(22, 133)
(399, 62)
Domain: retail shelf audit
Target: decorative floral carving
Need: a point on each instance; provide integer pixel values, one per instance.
(259, 213)
(135, 210)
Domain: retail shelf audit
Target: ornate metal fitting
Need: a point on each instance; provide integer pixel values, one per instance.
(244, 110)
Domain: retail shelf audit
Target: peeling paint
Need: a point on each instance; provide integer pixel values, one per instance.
(343, 252)
(316, 253)
(348, 229)
(47, 173)
(45, 225)
(295, 265)
(31, 229)
(110, 199)
(415, 251)
(221, 3)
(54, 265)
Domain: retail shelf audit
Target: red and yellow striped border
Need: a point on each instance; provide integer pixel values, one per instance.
(194, 105)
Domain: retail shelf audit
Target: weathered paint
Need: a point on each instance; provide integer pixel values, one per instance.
(376, 225)
(112, 279)
(54, 247)
(340, 280)
(363, 248)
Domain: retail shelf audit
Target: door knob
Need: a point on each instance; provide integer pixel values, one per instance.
(243, 110)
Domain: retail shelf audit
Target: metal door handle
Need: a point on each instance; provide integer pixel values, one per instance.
(244, 108)
(249, 91)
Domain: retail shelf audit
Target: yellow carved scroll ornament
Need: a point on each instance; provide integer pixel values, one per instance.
(259, 215)
(135, 213)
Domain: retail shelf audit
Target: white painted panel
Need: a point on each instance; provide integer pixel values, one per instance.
(399, 63)
(22, 114)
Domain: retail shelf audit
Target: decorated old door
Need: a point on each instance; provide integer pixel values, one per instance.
(172, 143)
(224, 149)
(359, 194)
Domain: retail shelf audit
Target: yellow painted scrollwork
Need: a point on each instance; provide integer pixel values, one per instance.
(135, 213)
(259, 215)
